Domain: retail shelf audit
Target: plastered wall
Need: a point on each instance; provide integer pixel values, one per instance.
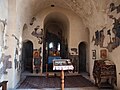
(3, 29)
(77, 32)
(97, 20)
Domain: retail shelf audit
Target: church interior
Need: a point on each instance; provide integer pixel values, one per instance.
(36, 36)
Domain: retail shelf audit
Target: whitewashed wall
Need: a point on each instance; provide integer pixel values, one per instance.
(3, 16)
(18, 16)
(77, 32)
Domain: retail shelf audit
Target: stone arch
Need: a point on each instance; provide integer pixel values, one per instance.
(58, 18)
(57, 24)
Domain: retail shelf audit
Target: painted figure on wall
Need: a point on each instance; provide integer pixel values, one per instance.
(103, 53)
(3, 23)
(114, 41)
(102, 36)
(37, 33)
(6, 63)
(32, 20)
(99, 37)
(113, 7)
(116, 27)
(16, 59)
(36, 60)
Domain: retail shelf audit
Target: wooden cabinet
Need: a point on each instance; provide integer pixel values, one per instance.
(104, 71)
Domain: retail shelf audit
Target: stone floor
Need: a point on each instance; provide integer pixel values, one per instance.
(82, 88)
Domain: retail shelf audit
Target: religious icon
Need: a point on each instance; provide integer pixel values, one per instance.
(36, 54)
(93, 54)
(103, 53)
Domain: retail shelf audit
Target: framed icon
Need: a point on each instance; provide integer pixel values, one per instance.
(93, 54)
(103, 53)
(36, 54)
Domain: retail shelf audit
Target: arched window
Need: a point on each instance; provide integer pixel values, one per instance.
(51, 45)
(58, 47)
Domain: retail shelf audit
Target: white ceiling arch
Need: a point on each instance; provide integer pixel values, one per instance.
(80, 7)
(83, 8)
(58, 19)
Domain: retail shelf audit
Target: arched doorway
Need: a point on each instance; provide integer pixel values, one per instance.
(82, 57)
(27, 56)
(55, 38)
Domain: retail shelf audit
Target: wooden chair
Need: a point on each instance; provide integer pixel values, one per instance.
(3, 85)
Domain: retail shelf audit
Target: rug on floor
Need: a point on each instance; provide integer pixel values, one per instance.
(38, 82)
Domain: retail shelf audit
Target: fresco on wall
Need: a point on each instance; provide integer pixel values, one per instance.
(4, 59)
(114, 41)
(15, 59)
(6, 64)
(32, 20)
(3, 24)
(74, 50)
(38, 34)
(16, 39)
(37, 60)
(18, 58)
(38, 50)
(114, 7)
(99, 37)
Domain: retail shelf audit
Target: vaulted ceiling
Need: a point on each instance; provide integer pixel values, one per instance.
(78, 6)
(83, 8)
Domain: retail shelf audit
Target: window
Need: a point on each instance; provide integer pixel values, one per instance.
(58, 47)
(51, 45)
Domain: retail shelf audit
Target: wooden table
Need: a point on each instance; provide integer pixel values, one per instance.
(62, 64)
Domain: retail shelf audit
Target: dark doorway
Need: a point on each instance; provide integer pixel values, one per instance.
(82, 57)
(27, 56)
(53, 49)
(52, 45)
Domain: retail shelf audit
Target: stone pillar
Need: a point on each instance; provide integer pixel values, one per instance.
(11, 42)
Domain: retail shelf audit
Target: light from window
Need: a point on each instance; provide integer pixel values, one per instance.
(58, 46)
(51, 45)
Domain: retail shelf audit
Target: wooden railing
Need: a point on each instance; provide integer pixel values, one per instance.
(3, 85)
